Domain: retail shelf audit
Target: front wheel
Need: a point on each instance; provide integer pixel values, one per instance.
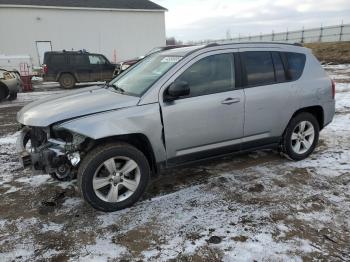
(301, 136)
(113, 176)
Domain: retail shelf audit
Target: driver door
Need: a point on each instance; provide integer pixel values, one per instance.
(210, 120)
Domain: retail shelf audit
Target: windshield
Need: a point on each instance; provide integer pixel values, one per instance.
(143, 75)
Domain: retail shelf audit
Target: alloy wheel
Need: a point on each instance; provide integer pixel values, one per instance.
(116, 179)
(303, 137)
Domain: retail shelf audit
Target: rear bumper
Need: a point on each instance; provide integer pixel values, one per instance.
(329, 112)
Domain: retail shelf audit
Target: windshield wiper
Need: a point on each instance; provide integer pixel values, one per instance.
(116, 88)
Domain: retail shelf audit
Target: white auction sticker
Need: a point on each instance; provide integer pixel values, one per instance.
(171, 59)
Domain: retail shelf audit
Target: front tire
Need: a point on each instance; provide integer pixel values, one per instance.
(301, 136)
(113, 176)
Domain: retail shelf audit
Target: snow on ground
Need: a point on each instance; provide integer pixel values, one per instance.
(254, 207)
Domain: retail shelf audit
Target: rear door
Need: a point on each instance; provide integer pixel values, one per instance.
(80, 66)
(270, 98)
(56, 63)
(210, 120)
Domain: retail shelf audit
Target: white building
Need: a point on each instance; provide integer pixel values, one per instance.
(119, 29)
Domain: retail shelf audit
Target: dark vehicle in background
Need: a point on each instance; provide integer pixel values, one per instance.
(10, 84)
(71, 67)
(123, 65)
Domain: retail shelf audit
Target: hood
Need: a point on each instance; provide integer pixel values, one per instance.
(73, 104)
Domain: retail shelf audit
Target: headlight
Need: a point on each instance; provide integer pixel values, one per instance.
(124, 67)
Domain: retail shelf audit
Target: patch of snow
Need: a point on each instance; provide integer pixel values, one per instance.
(102, 250)
(52, 227)
(34, 181)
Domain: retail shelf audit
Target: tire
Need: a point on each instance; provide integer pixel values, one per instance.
(302, 132)
(67, 81)
(102, 183)
(13, 96)
(63, 173)
(3, 91)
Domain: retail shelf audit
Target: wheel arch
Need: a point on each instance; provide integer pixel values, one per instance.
(67, 72)
(317, 111)
(138, 140)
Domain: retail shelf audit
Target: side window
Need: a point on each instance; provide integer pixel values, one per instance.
(78, 60)
(259, 68)
(279, 68)
(213, 74)
(58, 60)
(96, 60)
(296, 64)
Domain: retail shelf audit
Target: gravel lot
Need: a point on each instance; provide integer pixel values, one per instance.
(252, 207)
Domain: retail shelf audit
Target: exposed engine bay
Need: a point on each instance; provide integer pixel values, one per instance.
(51, 151)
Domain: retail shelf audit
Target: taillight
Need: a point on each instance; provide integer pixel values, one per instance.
(45, 69)
(333, 89)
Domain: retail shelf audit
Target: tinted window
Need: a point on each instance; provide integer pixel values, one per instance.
(58, 59)
(78, 59)
(279, 68)
(259, 68)
(97, 59)
(212, 74)
(296, 64)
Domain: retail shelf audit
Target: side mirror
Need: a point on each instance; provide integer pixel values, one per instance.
(176, 90)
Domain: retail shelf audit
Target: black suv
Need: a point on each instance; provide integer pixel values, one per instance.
(70, 67)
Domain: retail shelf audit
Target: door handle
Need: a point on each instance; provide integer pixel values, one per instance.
(230, 101)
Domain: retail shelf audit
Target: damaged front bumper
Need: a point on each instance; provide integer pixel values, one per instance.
(51, 156)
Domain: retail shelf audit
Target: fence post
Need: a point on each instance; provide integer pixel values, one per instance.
(302, 35)
(341, 31)
(260, 36)
(321, 34)
(273, 36)
(287, 35)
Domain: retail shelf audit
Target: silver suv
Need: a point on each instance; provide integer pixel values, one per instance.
(175, 107)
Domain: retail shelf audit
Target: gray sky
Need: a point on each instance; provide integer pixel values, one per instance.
(212, 19)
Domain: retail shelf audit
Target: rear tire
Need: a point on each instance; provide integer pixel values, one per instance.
(113, 176)
(67, 81)
(301, 136)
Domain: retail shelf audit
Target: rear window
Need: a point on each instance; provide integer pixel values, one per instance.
(279, 68)
(57, 59)
(295, 64)
(259, 68)
(78, 59)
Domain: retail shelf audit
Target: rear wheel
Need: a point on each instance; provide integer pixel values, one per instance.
(113, 176)
(301, 136)
(67, 81)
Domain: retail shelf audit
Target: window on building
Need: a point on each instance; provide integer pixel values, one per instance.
(213, 74)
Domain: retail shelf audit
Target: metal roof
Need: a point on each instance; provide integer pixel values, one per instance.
(95, 4)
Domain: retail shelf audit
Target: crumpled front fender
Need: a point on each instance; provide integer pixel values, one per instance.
(143, 119)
